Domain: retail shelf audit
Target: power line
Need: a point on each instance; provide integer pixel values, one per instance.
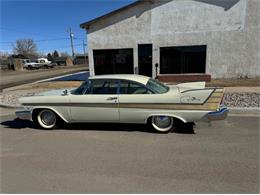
(56, 48)
(41, 40)
(71, 38)
(23, 32)
(80, 38)
(60, 47)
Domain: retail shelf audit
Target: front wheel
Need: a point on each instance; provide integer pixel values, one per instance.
(162, 124)
(46, 119)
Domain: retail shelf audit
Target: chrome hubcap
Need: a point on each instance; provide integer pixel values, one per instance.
(162, 121)
(48, 118)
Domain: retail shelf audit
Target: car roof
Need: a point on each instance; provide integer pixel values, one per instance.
(132, 77)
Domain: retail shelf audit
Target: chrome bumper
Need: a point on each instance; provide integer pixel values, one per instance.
(24, 114)
(218, 115)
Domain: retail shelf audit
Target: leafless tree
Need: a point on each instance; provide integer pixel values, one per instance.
(25, 46)
(64, 54)
(3, 54)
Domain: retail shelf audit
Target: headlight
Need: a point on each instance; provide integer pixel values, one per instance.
(29, 108)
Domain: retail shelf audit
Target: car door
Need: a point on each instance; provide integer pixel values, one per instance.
(134, 102)
(98, 104)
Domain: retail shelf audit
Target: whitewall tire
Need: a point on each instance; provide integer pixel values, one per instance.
(47, 119)
(162, 124)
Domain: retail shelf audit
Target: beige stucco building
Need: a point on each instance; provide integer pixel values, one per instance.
(216, 37)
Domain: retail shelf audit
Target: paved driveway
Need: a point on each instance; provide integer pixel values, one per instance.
(219, 158)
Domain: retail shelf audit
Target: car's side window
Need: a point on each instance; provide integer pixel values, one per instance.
(128, 87)
(110, 87)
(124, 85)
(96, 86)
(82, 89)
(103, 87)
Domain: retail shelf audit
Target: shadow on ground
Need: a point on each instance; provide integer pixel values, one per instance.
(20, 124)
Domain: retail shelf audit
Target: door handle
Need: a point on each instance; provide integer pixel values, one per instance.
(112, 98)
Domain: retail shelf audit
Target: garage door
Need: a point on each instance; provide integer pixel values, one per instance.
(113, 61)
(184, 59)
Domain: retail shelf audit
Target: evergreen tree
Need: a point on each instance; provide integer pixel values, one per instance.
(49, 57)
(55, 54)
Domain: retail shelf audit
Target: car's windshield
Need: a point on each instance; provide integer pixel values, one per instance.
(81, 89)
(156, 86)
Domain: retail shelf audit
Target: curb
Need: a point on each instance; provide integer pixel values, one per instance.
(257, 109)
(236, 111)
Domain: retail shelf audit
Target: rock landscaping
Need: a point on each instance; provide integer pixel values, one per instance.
(242, 100)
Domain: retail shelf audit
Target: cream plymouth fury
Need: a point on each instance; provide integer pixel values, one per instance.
(125, 99)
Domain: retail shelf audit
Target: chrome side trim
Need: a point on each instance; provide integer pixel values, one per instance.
(212, 106)
(24, 114)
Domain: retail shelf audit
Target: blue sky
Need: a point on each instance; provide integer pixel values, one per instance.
(47, 22)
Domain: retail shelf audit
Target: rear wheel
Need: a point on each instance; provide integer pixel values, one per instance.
(162, 124)
(46, 119)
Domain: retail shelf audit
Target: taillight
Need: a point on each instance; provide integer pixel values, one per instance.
(222, 100)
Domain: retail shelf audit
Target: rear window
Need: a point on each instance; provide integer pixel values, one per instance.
(156, 86)
(128, 87)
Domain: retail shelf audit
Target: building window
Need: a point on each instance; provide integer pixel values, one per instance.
(184, 59)
(113, 61)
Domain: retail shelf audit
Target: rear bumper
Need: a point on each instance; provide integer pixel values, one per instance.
(24, 114)
(221, 114)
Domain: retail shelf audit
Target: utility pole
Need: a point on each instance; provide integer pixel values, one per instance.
(71, 43)
(83, 42)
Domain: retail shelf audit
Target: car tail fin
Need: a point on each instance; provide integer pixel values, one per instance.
(216, 98)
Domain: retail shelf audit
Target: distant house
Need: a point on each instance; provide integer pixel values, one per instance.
(81, 59)
(32, 57)
(20, 56)
(14, 62)
(4, 63)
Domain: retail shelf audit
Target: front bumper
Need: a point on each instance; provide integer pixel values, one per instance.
(221, 114)
(24, 114)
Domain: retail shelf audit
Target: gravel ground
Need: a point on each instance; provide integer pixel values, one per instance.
(242, 100)
(11, 98)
